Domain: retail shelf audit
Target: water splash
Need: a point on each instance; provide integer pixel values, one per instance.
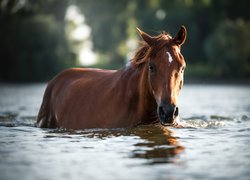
(204, 122)
(213, 121)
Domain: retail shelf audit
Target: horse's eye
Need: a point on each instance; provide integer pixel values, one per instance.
(182, 69)
(152, 68)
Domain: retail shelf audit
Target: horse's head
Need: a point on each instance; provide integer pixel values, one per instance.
(165, 65)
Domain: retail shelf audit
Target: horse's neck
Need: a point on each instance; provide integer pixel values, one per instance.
(140, 97)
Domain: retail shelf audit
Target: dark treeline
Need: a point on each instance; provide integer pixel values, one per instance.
(33, 43)
(34, 46)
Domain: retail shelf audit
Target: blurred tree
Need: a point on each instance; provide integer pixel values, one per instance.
(232, 9)
(228, 48)
(108, 20)
(33, 43)
(111, 25)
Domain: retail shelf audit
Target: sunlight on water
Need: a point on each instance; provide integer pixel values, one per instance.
(202, 122)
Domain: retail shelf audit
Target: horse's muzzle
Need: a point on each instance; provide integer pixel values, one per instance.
(167, 114)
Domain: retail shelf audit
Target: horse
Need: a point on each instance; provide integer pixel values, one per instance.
(145, 91)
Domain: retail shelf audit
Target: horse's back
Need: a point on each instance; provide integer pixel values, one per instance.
(63, 84)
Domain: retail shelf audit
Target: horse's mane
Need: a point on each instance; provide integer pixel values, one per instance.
(145, 51)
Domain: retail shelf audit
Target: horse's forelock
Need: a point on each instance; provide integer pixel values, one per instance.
(145, 51)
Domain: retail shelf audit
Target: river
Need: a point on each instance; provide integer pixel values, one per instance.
(214, 144)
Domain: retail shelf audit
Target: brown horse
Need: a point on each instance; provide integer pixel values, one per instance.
(143, 92)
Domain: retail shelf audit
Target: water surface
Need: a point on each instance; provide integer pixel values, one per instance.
(214, 144)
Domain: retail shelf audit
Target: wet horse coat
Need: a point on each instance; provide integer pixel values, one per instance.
(94, 98)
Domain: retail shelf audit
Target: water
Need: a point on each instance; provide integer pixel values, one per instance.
(214, 144)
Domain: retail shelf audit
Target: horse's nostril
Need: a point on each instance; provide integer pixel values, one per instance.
(161, 109)
(162, 113)
(176, 112)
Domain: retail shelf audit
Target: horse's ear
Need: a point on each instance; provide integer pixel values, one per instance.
(147, 38)
(181, 36)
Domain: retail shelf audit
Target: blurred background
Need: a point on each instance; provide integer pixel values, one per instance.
(42, 37)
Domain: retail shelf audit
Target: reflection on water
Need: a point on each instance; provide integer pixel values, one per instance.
(157, 144)
(160, 145)
(213, 144)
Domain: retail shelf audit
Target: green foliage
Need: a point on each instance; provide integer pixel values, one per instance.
(108, 20)
(199, 70)
(228, 48)
(111, 25)
(33, 44)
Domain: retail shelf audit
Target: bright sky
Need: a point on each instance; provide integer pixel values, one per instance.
(81, 33)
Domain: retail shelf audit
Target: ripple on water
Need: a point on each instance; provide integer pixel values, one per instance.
(12, 119)
(144, 146)
(209, 147)
(8, 119)
(199, 123)
(213, 121)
